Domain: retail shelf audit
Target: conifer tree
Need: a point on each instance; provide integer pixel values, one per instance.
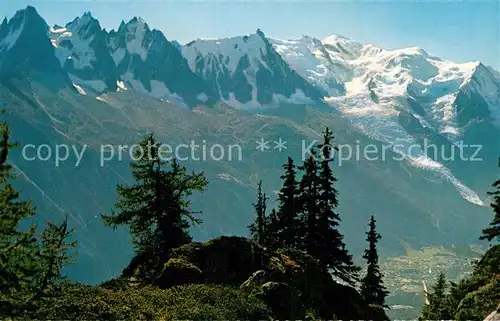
(19, 265)
(258, 227)
(287, 215)
(332, 252)
(438, 307)
(372, 286)
(493, 231)
(272, 231)
(56, 253)
(156, 208)
(28, 267)
(309, 239)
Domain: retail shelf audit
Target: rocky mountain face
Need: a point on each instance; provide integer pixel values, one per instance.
(81, 48)
(87, 87)
(248, 72)
(25, 47)
(147, 61)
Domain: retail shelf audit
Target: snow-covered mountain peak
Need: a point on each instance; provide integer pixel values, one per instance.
(310, 58)
(11, 30)
(408, 67)
(484, 82)
(25, 45)
(85, 26)
(255, 69)
(370, 50)
(248, 71)
(232, 49)
(137, 30)
(132, 38)
(136, 27)
(137, 21)
(85, 19)
(411, 51)
(77, 43)
(342, 46)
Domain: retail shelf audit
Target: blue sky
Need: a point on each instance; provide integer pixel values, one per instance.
(459, 31)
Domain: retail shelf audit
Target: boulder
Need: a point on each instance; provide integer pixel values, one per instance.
(178, 272)
(225, 260)
(283, 300)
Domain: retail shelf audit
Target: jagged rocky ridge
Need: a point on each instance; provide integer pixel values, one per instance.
(254, 71)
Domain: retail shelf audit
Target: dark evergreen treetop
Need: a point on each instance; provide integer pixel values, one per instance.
(289, 207)
(438, 307)
(493, 231)
(333, 252)
(372, 285)
(272, 231)
(258, 228)
(309, 207)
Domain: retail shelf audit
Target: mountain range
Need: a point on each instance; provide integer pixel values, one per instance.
(82, 85)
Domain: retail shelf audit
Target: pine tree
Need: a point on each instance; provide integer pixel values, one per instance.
(438, 307)
(258, 227)
(332, 253)
(308, 198)
(287, 215)
(156, 208)
(372, 287)
(493, 231)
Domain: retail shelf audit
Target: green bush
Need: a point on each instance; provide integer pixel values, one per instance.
(116, 284)
(193, 302)
(478, 304)
(475, 297)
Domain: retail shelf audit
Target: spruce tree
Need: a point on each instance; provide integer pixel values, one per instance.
(493, 231)
(309, 238)
(372, 286)
(332, 253)
(272, 231)
(258, 227)
(156, 207)
(287, 215)
(438, 307)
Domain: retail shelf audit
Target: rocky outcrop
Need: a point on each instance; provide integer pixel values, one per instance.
(291, 283)
(316, 288)
(225, 260)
